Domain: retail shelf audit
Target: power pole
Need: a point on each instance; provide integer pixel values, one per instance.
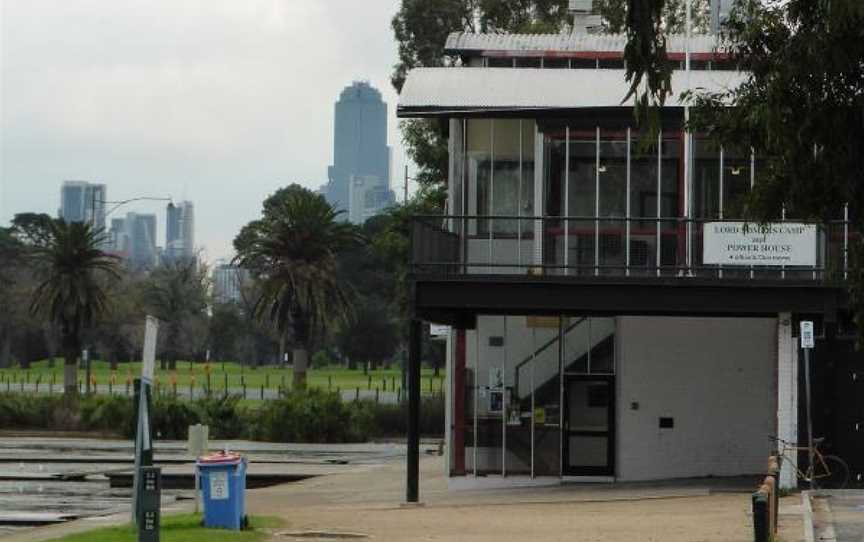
(405, 196)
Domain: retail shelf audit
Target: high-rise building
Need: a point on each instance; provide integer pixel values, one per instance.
(82, 201)
(359, 146)
(228, 280)
(367, 195)
(117, 238)
(180, 231)
(140, 239)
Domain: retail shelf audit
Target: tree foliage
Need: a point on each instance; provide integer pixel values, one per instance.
(800, 108)
(292, 251)
(71, 293)
(176, 294)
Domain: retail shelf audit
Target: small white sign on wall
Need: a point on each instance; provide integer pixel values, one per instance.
(219, 485)
(807, 338)
(748, 243)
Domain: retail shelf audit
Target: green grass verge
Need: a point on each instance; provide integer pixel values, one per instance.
(180, 528)
(329, 378)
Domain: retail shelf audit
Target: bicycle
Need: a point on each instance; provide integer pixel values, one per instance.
(830, 470)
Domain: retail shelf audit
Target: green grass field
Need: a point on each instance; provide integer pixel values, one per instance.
(181, 528)
(219, 373)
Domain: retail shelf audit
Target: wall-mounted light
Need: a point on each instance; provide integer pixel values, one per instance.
(736, 171)
(601, 169)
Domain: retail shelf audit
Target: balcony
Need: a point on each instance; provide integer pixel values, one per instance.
(481, 264)
(636, 248)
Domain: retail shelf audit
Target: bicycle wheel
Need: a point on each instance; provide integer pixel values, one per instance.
(837, 475)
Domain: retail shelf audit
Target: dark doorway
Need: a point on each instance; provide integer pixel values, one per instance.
(589, 425)
(837, 371)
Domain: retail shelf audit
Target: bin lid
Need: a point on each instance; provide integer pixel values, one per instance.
(220, 458)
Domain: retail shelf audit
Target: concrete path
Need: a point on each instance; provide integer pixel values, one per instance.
(838, 515)
(366, 498)
(370, 503)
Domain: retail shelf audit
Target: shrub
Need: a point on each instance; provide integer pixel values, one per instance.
(390, 420)
(225, 416)
(107, 413)
(21, 411)
(301, 416)
(305, 416)
(171, 418)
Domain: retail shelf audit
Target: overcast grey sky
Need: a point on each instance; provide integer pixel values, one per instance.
(217, 101)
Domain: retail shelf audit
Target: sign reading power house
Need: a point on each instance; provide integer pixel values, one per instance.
(741, 243)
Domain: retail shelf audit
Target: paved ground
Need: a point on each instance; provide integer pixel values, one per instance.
(839, 515)
(368, 503)
(366, 498)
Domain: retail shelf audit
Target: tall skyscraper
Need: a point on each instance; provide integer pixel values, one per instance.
(82, 201)
(359, 150)
(180, 231)
(228, 279)
(140, 239)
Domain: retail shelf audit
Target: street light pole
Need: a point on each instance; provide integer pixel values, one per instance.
(405, 186)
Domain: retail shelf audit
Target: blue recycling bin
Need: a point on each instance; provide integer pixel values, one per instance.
(223, 485)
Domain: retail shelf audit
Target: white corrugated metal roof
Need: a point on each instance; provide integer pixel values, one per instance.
(477, 89)
(459, 42)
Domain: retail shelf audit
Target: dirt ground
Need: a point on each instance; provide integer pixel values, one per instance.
(368, 503)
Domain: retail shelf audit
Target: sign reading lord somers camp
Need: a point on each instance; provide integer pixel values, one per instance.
(741, 243)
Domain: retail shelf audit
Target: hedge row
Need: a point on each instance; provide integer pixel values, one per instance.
(308, 416)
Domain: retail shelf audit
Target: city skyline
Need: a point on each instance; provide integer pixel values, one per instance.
(204, 107)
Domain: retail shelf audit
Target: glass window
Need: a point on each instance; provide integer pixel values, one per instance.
(582, 176)
(505, 193)
(610, 63)
(505, 189)
(583, 63)
(613, 176)
(478, 169)
(582, 190)
(527, 62)
(706, 179)
(643, 179)
(736, 182)
(555, 63)
(499, 62)
(527, 203)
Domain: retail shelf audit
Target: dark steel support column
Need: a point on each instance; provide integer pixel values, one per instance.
(415, 337)
(458, 402)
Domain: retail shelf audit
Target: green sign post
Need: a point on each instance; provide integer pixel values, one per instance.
(149, 498)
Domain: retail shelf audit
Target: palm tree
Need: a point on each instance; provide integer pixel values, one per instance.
(71, 268)
(292, 251)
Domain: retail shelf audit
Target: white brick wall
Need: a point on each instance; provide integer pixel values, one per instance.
(714, 376)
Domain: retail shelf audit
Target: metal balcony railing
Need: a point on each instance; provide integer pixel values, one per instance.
(579, 246)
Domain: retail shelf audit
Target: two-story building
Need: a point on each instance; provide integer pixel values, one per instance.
(613, 317)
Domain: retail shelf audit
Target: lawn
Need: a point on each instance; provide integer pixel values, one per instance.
(181, 528)
(219, 374)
